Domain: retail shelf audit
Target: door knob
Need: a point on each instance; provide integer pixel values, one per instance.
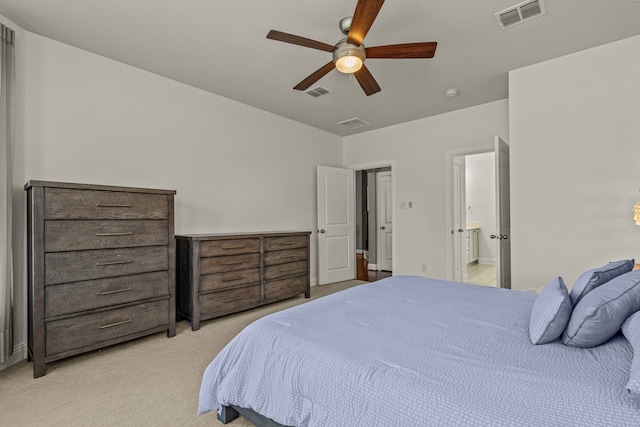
(382, 228)
(322, 231)
(501, 237)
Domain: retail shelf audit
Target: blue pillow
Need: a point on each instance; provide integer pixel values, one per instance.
(591, 279)
(600, 314)
(550, 313)
(631, 330)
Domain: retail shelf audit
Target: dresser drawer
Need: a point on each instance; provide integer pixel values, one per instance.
(284, 270)
(289, 255)
(212, 282)
(229, 263)
(85, 330)
(219, 303)
(82, 296)
(285, 242)
(63, 267)
(64, 203)
(229, 247)
(284, 288)
(99, 234)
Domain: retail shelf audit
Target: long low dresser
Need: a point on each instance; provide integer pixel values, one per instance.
(219, 274)
(101, 267)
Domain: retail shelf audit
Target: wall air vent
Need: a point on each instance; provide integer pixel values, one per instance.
(520, 13)
(354, 123)
(318, 91)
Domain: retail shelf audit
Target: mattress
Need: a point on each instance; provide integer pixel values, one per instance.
(412, 351)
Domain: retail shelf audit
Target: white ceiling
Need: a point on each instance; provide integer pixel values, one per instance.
(220, 46)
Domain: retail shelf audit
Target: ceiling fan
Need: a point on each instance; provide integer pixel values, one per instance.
(349, 53)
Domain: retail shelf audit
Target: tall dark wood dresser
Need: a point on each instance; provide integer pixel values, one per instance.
(101, 267)
(219, 274)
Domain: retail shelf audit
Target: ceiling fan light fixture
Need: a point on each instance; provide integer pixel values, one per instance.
(348, 57)
(348, 64)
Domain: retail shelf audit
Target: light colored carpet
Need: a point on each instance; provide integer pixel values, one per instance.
(152, 381)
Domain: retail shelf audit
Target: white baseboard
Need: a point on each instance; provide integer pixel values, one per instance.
(491, 261)
(372, 267)
(19, 354)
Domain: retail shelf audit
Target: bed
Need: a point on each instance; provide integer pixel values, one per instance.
(412, 351)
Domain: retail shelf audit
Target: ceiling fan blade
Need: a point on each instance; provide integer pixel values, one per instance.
(405, 50)
(363, 17)
(315, 76)
(366, 80)
(300, 41)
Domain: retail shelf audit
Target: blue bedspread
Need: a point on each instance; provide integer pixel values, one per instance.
(410, 351)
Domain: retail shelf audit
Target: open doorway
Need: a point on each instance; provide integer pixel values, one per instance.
(336, 195)
(461, 245)
(480, 218)
(374, 223)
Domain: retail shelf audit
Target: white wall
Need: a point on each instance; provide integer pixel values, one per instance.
(84, 118)
(573, 135)
(480, 174)
(90, 119)
(575, 152)
(418, 150)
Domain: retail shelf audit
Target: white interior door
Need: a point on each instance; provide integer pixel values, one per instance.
(336, 224)
(385, 221)
(503, 215)
(459, 221)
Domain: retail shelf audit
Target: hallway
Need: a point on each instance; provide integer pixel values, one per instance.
(363, 272)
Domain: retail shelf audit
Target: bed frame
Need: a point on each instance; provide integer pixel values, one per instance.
(230, 413)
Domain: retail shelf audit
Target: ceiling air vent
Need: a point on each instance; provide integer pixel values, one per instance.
(519, 13)
(354, 123)
(318, 91)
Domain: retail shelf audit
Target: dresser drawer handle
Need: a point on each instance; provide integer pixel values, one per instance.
(113, 205)
(288, 242)
(114, 292)
(231, 299)
(233, 247)
(288, 256)
(102, 264)
(233, 263)
(232, 279)
(126, 233)
(282, 270)
(111, 325)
